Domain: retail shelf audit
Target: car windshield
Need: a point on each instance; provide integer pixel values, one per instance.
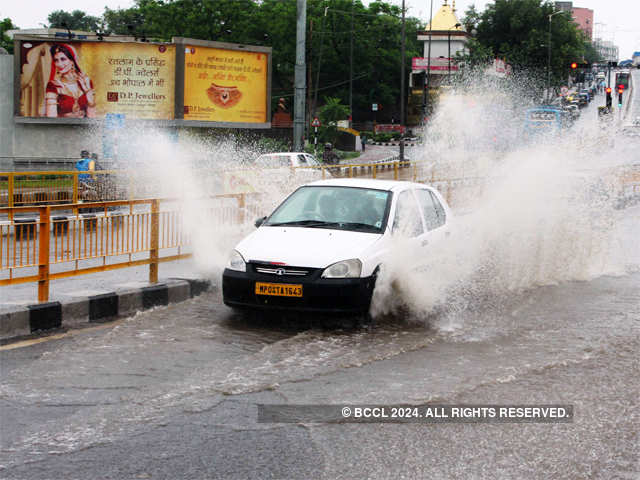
(335, 207)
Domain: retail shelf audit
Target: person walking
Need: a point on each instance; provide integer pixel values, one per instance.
(363, 140)
(85, 180)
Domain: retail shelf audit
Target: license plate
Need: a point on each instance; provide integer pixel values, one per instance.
(278, 289)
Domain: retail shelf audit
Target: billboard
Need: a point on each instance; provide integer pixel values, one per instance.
(67, 79)
(225, 85)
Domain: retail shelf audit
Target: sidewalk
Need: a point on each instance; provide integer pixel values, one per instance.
(98, 297)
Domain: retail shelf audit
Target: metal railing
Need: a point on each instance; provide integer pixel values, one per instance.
(102, 236)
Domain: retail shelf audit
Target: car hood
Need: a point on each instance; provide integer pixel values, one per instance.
(305, 247)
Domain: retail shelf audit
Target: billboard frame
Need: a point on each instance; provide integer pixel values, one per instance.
(178, 108)
(181, 43)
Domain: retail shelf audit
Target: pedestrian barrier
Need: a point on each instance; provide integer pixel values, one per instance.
(40, 247)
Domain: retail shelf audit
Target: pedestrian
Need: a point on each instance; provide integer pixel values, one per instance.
(85, 164)
(363, 140)
(85, 180)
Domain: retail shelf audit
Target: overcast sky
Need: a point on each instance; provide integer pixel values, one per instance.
(616, 20)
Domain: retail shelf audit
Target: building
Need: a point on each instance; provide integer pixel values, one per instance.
(443, 38)
(582, 16)
(636, 59)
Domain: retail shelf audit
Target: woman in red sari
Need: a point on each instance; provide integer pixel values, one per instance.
(69, 92)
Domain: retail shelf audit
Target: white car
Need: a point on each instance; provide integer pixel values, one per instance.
(321, 249)
(286, 159)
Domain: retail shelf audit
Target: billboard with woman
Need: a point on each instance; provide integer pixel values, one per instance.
(63, 79)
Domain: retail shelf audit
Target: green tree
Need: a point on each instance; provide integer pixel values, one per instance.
(76, 20)
(518, 31)
(330, 113)
(5, 41)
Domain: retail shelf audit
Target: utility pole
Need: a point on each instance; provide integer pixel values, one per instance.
(300, 72)
(402, 119)
(427, 76)
(351, 70)
(549, 56)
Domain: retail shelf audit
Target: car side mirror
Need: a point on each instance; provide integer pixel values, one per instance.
(260, 221)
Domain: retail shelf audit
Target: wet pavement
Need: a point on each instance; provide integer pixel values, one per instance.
(172, 393)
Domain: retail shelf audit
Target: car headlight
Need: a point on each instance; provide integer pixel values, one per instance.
(344, 269)
(236, 262)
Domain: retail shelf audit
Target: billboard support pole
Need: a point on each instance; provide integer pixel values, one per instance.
(300, 70)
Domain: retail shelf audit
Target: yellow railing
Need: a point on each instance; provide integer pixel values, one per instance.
(56, 187)
(101, 236)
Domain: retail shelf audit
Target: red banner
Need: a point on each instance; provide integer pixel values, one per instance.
(389, 128)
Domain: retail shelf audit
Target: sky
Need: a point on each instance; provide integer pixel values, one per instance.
(615, 20)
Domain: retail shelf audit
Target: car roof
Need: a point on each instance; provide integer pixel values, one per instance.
(391, 185)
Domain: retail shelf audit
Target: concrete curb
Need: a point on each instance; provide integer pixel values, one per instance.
(24, 320)
(395, 144)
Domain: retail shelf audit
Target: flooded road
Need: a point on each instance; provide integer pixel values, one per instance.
(175, 389)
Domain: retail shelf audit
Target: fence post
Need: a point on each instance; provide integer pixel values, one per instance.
(241, 205)
(395, 170)
(375, 170)
(43, 254)
(10, 191)
(155, 241)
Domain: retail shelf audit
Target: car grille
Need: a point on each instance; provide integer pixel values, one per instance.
(287, 271)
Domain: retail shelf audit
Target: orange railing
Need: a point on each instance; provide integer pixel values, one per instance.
(40, 244)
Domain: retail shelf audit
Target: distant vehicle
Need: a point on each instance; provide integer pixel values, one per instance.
(573, 110)
(601, 76)
(585, 91)
(286, 159)
(322, 248)
(583, 99)
(622, 78)
(544, 120)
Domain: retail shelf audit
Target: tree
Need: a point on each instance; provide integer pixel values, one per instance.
(5, 41)
(518, 31)
(76, 20)
(330, 113)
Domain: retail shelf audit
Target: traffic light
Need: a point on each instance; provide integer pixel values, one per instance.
(609, 99)
(574, 65)
(620, 88)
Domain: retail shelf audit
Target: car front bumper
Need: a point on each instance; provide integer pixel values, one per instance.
(319, 295)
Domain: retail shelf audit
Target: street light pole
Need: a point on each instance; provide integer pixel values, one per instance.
(549, 55)
(402, 100)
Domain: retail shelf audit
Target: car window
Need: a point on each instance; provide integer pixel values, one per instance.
(442, 215)
(338, 207)
(407, 220)
(429, 213)
(311, 160)
(302, 160)
(273, 161)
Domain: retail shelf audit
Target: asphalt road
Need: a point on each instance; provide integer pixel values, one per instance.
(172, 393)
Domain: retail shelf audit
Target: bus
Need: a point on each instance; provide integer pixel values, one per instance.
(544, 120)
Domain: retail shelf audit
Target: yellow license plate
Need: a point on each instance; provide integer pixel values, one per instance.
(278, 289)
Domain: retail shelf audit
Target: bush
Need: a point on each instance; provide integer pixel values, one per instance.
(396, 135)
(383, 137)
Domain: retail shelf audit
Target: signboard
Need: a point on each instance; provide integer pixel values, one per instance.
(224, 85)
(315, 122)
(374, 107)
(389, 128)
(66, 79)
(436, 64)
